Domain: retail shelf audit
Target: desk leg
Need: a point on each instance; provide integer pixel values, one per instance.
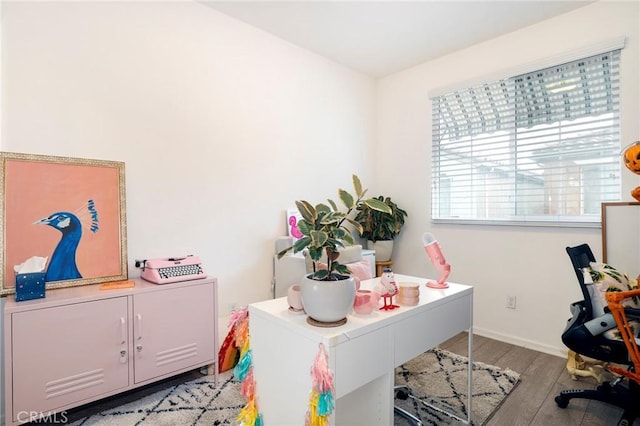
(469, 375)
(469, 406)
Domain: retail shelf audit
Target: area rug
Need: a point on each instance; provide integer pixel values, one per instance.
(438, 377)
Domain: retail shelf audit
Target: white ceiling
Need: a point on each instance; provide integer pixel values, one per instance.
(383, 37)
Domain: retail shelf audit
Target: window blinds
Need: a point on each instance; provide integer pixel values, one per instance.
(578, 89)
(542, 146)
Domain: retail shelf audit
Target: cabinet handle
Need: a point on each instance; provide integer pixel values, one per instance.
(123, 331)
(139, 318)
(139, 348)
(123, 357)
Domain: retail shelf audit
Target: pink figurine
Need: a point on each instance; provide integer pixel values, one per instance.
(295, 232)
(389, 289)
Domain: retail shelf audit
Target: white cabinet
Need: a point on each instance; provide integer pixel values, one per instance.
(81, 344)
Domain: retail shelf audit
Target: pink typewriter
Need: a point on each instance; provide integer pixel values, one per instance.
(172, 269)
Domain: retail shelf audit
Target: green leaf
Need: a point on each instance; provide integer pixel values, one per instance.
(348, 239)
(285, 251)
(304, 227)
(343, 269)
(332, 217)
(318, 238)
(323, 208)
(321, 275)
(333, 205)
(355, 224)
(347, 199)
(307, 211)
(357, 185)
(377, 205)
(315, 253)
(301, 244)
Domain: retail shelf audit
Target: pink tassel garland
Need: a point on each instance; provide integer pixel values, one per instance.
(248, 385)
(321, 400)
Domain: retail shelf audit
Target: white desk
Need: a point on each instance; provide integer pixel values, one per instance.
(362, 353)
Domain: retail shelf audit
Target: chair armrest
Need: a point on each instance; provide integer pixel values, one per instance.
(632, 313)
(619, 312)
(615, 299)
(619, 296)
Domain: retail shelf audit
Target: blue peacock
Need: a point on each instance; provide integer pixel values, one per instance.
(62, 265)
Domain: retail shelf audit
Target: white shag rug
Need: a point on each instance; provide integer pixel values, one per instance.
(438, 377)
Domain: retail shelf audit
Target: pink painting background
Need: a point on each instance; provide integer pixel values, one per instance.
(34, 190)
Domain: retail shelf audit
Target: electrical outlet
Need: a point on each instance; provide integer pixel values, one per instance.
(511, 302)
(233, 306)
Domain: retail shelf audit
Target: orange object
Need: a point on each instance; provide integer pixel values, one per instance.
(229, 354)
(118, 284)
(614, 301)
(631, 159)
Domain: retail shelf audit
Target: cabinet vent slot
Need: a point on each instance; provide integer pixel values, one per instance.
(74, 383)
(176, 354)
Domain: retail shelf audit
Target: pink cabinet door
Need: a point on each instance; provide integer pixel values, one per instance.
(65, 354)
(173, 330)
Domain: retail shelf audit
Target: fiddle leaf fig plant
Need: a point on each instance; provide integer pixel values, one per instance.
(324, 229)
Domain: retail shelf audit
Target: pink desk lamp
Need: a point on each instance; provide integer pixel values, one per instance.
(432, 248)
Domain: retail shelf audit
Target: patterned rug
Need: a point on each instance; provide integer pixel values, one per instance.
(437, 376)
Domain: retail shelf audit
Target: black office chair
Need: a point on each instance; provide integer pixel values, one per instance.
(584, 334)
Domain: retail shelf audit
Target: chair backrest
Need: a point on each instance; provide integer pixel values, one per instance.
(581, 256)
(586, 330)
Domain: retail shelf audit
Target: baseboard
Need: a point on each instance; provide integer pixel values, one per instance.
(529, 344)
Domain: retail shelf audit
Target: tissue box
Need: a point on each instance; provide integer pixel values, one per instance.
(29, 286)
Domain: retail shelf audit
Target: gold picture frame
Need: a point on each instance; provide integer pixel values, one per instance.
(81, 202)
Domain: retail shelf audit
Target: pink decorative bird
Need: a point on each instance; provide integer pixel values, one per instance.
(389, 289)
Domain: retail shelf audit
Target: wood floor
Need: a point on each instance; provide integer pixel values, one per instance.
(542, 377)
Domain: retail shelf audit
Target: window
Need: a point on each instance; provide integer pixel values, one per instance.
(536, 148)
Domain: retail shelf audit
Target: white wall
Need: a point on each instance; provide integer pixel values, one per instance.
(221, 126)
(529, 263)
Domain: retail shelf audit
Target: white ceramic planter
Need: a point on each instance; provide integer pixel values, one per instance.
(328, 301)
(383, 249)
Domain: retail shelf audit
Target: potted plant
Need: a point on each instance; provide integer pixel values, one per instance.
(379, 229)
(328, 294)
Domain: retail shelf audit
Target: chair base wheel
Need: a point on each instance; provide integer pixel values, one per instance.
(561, 402)
(400, 394)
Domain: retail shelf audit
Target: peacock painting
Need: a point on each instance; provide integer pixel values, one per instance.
(62, 264)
